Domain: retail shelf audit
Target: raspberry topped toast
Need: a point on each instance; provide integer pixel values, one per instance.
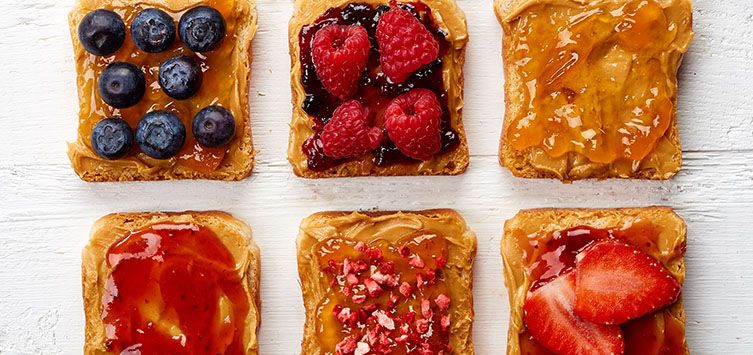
(591, 87)
(171, 283)
(595, 281)
(163, 89)
(387, 283)
(377, 88)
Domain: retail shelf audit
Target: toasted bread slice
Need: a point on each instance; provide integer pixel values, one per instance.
(111, 230)
(449, 17)
(591, 119)
(226, 83)
(387, 227)
(666, 242)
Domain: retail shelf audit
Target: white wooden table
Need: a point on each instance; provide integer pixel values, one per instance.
(46, 211)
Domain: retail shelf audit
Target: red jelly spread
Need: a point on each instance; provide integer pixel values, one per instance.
(375, 90)
(174, 289)
(385, 297)
(657, 333)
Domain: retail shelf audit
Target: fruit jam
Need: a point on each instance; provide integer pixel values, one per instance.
(174, 289)
(218, 86)
(375, 90)
(391, 298)
(550, 256)
(596, 80)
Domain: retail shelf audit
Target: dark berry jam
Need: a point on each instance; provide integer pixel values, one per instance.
(375, 90)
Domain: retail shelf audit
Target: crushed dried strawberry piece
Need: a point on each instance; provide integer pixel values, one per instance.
(374, 254)
(426, 311)
(404, 251)
(360, 265)
(425, 349)
(346, 347)
(346, 267)
(441, 261)
(419, 281)
(384, 280)
(409, 317)
(417, 262)
(385, 320)
(443, 302)
(422, 326)
(351, 279)
(372, 288)
(405, 289)
(431, 277)
(445, 322)
(362, 349)
(393, 300)
(358, 299)
(387, 267)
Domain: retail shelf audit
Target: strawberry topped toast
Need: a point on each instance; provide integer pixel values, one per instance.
(377, 88)
(595, 281)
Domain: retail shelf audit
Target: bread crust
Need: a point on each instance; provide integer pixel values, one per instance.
(233, 233)
(670, 244)
(535, 163)
(391, 226)
(449, 16)
(239, 160)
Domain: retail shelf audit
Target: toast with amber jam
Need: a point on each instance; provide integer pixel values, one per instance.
(591, 87)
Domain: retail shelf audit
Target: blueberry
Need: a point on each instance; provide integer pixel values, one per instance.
(112, 138)
(180, 77)
(214, 127)
(122, 85)
(160, 134)
(202, 28)
(101, 32)
(153, 30)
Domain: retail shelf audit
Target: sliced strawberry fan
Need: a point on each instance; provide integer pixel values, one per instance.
(616, 282)
(612, 283)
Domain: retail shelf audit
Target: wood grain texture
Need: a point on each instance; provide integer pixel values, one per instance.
(46, 211)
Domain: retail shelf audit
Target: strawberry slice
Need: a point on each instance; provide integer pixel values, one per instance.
(550, 319)
(616, 282)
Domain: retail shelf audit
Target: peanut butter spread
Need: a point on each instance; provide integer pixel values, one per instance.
(597, 78)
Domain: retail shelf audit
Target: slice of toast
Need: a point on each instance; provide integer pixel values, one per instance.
(112, 230)
(451, 19)
(379, 228)
(529, 157)
(226, 83)
(662, 235)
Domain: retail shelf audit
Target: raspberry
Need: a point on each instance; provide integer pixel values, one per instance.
(347, 134)
(340, 55)
(413, 122)
(405, 44)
